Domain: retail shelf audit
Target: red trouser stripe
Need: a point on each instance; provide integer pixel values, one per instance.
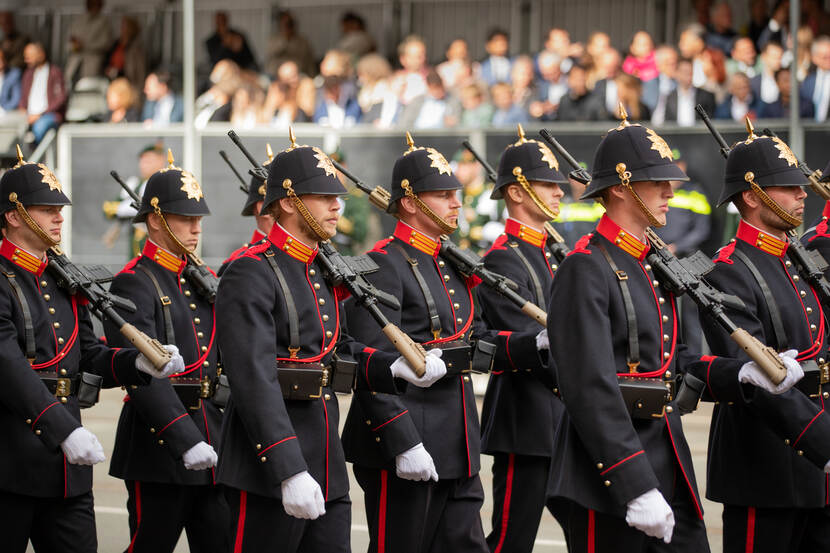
(505, 512)
(591, 531)
(240, 523)
(137, 515)
(750, 529)
(384, 475)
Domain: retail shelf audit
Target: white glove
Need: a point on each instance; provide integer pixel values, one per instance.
(542, 340)
(650, 514)
(434, 369)
(416, 464)
(827, 467)
(199, 457)
(81, 447)
(175, 365)
(751, 373)
(302, 496)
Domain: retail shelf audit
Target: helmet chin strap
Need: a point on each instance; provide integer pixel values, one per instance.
(445, 227)
(37, 229)
(313, 224)
(625, 180)
(770, 203)
(157, 210)
(547, 211)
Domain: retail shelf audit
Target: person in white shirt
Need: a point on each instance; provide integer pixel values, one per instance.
(43, 93)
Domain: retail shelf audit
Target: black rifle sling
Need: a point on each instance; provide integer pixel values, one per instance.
(633, 356)
(772, 305)
(434, 319)
(290, 306)
(169, 334)
(29, 329)
(537, 284)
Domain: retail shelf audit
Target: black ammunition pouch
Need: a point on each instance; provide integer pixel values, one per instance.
(192, 390)
(85, 386)
(815, 376)
(689, 393)
(344, 373)
(461, 357)
(221, 390)
(645, 398)
(483, 354)
(302, 381)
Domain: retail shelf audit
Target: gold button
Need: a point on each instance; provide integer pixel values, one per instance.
(647, 267)
(152, 430)
(187, 293)
(821, 360)
(161, 442)
(666, 355)
(325, 317)
(787, 441)
(312, 272)
(204, 349)
(316, 285)
(556, 390)
(459, 320)
(441, 264)
(456, 305)
(327, 396)
(788, 263)
(321, 301)
(669, 409)
(600, 466)
(554, 266)
(28, 421)
(447, 278)
(547, 254)
(328, 334)
(668, 374)
(63, 371)
(802, 293)
(63, 400)
(411, 240)
(800, 452)
(200, 334)
(43, 283)
(452, 292)
(665, 337)
(197, 320)
(466, 378)
(813, 328)
(51, 310)
(825, 395)
(795, 278)
(607, 483)
(193, 306)
(37, 432)
(809, 310)
(47, 297)
(661, 300)
(259, 446)
(617, 241)
(60, 340)
(56, 324)
(654, 283)
(206, 364)
(263, 459)
(368, 422)
(665, 318)
(182, 280)
(286, 247)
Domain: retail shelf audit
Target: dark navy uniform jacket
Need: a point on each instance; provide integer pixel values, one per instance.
(765, 450)
(604, 459)
(519, 407)
(266, 439)
(155, 428)
(444, 416)
(34, 422)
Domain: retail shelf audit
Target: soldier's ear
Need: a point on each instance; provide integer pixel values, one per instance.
(407, 205)
(11, 219)
(750, 199)
(286, 205)
(515, 193)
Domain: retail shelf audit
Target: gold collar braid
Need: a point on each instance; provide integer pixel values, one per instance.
(770, 203)
(24, 214)
(322, 235)
(549, 213)
(157, 210)
(446, 228)
(625, 180)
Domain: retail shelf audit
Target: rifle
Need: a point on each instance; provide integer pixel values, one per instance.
(242, 184)
(195, 271)
(258, 171)
(465, 262)
(81, 280)
(340, 271)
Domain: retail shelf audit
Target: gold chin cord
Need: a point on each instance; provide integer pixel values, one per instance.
(549, 213)
(157, 210)
(306, 214)
(770, 203)
(625, 180)
(446, 228)
(24, 214)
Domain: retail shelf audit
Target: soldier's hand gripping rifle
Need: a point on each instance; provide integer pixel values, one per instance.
(80, 280)
(556, 244)
(465, 262)
(195, 271)
(340, 271)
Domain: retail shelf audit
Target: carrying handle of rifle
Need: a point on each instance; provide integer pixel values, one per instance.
(412, 351)
(378, 196)
(765, 356)
(150, 347)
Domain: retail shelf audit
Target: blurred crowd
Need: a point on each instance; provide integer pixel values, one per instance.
(733, 72)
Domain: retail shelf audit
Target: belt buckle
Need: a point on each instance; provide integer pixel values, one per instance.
(324, 381)
(63, 387)
(204, 388)
(824, 373)
(165, 300)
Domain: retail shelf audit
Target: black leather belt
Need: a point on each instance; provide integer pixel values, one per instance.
(61, 387)
(192, 390)
(815, 376)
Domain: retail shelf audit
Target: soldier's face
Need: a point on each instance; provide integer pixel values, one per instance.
(550, 194)
(325, 209)
(655, 196)
(49, 218)
(791, 200)
(186, 229)
(444, 203)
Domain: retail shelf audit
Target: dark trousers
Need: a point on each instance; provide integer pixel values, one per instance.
(751, 530)
(261, 524)
(519, 497)
(53, 524)
(159, 513)
(405, 516)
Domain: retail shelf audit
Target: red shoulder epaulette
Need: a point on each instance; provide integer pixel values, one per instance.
(725, 252)
(236, 253)
(498, 244)
(253, 251)
(581, 245)
(381, 244)
(821, 230)
(128, 268)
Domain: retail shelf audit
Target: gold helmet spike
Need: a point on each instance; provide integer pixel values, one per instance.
(292, 138)
(750, 129)
(269, 152)
(170, 159)
(410, 142)
(20, 160)
(623, 116)
(521, 131)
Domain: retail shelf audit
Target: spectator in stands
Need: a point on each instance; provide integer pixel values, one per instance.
(506, 113)
(410, 82)
(126, 57)
(356, 41)
(122, 102)
(496, 66)
(523, 82)
(598, 43)
(714, 73)
(431, 110)
(301, 88)
(552, 86)
(246, 106)
(678, 106)
(477, 111)
(665, 57)
(816, 87)
(764, 83)
(719, 31)
(691, 45)
(804, 63)
(629, 93)
(337, 106)
(287, 44)
(740, 102)
(228, 43)
(453, 68)
(9, 86)
(744, 58)
(758, 20)
(606, 87)
(215, 103)
(814, 16)
(280, 108)
(43, 91)
(777, 28)
(163, 106)
(558, 41)
(375, 97)
(579, 104)
(640, 60)
(13, 41)
(90, 36)
(780, 108)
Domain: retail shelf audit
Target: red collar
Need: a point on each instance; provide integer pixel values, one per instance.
(525, 233)
(826, 211)
(256, 238)
(22, 258)
(293, 246)
(164, 258)
(621, 238)
(761, 240)
(417, 239)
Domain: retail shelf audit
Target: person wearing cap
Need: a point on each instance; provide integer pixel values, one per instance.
(168, 432)
(479, 222)
(520, 408)
(355, 215)
(768, 454)
(46, 344)
(624, 468)
(281, 459)
(416, 454)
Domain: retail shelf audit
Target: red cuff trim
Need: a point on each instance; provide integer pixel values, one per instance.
(507, 335)
(369, 351)
(390, 420)
(41, 413)
(276, 444)
(618, 463)
(710, 359)
(171, 422)
(808, 426)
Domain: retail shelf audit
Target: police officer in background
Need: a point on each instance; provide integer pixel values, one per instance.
(416, 455)
(278, 326)
(168, 432)
(520, 409)
(779, 504)
(623, 464)
(46, 344)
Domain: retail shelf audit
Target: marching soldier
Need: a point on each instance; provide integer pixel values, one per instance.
(48, 352)
(622, 462)
(520, 410)
(779, 504)
(278, 327)
(416, 455)
(168, 432)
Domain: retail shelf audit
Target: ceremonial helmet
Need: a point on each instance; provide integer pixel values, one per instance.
(256, 188)
(172, 190)
(421, 169)
(28, 184)
(526, 158)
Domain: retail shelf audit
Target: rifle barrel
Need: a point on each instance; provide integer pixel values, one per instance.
(136, 198)
(242, 184)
